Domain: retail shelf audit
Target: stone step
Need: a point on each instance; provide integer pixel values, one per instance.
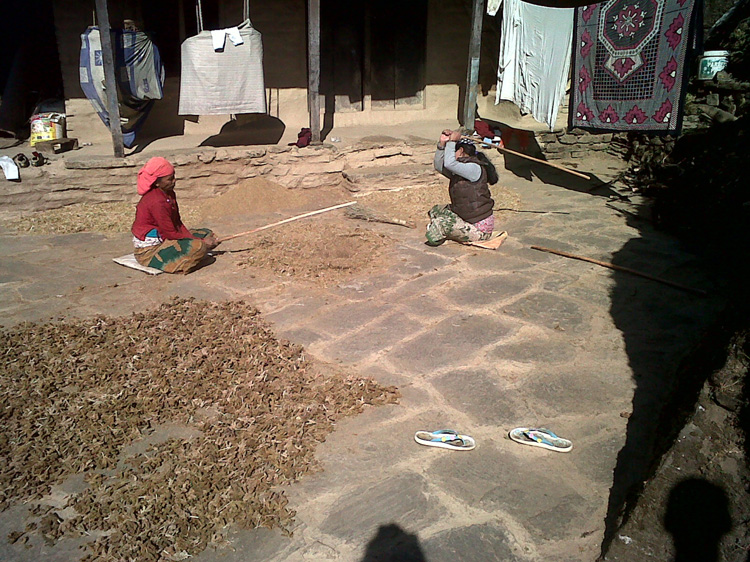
(382, 177)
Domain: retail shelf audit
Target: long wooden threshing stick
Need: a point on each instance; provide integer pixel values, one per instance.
(537, 160)
(311, 213)
(621, 268)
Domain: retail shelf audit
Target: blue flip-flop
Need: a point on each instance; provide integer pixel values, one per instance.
(540, 438)
(445, 439)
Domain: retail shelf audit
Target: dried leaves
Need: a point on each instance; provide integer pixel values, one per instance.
(75, 394)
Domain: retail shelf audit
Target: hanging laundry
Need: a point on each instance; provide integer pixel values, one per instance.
(223, 80)
(493, 6)
(139, 73)
(219, 37)
(629, 65)
(534, 60)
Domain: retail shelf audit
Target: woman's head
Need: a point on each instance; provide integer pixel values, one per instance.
(157, 172)
(465, 148)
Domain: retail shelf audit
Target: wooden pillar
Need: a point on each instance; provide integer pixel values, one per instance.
(313, 67)
(472, 73)
(108, 60)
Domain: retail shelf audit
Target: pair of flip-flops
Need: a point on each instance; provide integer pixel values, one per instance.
(540, 438)
(445, 439)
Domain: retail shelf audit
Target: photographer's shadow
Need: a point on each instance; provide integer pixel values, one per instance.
(393, 544)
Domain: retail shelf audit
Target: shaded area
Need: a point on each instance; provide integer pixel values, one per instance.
(697, 517)
(523, 141)
(29, 63)
(248, 129)
(699, 194)
(393, 544)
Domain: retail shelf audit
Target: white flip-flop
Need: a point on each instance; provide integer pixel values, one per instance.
(445, 439)
(540, 438)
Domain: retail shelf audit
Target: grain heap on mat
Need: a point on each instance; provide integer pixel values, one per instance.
(74, 394)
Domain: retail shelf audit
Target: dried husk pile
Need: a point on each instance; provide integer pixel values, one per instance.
(321, 251)
(74, 394)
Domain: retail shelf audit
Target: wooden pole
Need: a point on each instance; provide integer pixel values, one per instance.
(305, 215)
(621, 268)
(313, 67)
(110, 85)
(520, 154)
(472, 73)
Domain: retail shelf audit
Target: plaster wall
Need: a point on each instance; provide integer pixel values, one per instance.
(284, 29)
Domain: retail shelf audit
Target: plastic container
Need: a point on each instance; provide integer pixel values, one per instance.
(710, 63)
(47, 126)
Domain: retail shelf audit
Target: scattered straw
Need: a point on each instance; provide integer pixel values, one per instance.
(86, 217)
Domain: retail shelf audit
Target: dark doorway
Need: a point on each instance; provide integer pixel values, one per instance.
(29, 64)
(398, 54)
(374, 48)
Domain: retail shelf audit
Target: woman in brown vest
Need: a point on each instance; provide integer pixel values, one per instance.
(469, 216)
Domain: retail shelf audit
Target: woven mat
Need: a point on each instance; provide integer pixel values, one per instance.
(130, 261)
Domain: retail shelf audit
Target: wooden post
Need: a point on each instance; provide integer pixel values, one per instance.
(313, 67)
(110, 85)
(472, 73)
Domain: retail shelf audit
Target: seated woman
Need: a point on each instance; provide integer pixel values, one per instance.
(159, 237)
(469, 216)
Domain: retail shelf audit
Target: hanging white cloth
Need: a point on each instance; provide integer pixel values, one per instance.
(225, 81)
(535, 51)
(493, 6)
(219, 36)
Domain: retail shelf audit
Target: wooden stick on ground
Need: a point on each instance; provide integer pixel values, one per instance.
(311, 213)
(621, 268)
(537, 160)
(367, 214)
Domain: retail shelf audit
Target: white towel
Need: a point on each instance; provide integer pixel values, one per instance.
(9, 168)
(219, 37)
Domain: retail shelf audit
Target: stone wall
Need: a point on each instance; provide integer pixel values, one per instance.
(576, 143)
(208, 172)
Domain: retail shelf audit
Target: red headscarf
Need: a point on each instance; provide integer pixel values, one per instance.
(154, 169)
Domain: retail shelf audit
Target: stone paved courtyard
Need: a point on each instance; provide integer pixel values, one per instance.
(477, 341)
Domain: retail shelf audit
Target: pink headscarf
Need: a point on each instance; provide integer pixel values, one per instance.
(154, 169)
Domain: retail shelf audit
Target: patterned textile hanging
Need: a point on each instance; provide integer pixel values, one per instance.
(630, 59)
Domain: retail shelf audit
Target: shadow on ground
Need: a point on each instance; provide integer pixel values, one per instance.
(674, 340)
(393, 544)
(697, 517)
(524, 142)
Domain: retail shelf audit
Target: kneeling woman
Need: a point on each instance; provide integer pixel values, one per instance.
(469, 216)
(159, 237)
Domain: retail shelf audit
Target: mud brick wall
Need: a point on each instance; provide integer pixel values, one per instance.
(208, 172)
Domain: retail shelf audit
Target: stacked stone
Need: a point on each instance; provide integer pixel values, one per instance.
(721, 100)
(574, 143)
(208, 172)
